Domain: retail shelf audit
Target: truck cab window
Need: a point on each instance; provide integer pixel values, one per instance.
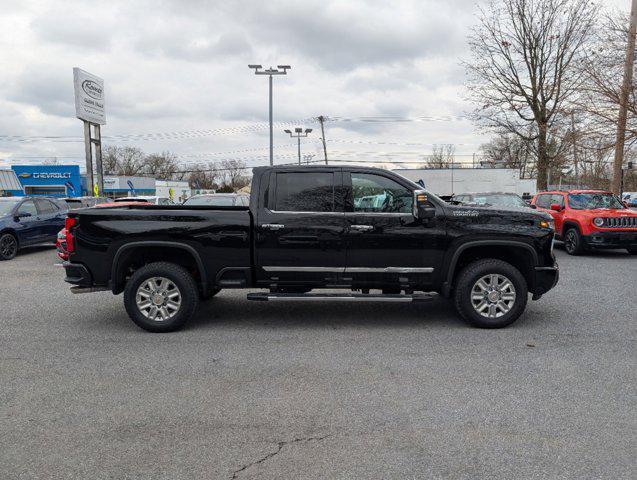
(375, 193)
(304, 192)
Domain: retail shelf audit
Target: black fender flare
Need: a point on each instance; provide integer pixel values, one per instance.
(451, 265)
(570, 224)
(154, 243)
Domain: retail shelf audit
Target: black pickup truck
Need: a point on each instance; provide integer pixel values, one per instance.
(368, 232)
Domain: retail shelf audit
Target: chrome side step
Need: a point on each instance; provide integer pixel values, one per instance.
(338, 297)
(77, 289)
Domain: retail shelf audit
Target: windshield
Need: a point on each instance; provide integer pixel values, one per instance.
(499, 200)
(6, 205)
(213, 200)
(593, 201)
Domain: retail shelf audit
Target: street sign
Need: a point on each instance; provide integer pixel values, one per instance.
(95, 190)
(89, 97)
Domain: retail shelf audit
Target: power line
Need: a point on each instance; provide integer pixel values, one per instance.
(171, 135)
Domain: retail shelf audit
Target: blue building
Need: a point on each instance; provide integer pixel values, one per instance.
(50, 180)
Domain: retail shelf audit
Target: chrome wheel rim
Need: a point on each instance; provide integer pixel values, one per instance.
(493, 295)
(570, 241)
(8, 246)
(158, 299)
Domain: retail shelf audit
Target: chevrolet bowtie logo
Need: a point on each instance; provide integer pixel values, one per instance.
(24, 175)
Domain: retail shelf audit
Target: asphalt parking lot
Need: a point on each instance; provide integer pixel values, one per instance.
(306, 390)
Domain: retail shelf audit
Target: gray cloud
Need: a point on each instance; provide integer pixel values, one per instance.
(48, 88)
(76, 27)
(175, 65)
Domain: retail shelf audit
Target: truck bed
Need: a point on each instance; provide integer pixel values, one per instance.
(218, 237)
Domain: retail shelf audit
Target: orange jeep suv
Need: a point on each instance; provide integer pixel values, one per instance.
(590, 219)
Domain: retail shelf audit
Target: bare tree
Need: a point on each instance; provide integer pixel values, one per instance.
(163, 165)
(127, 161)
(599, 97)
(442, 156)
(510, 151)
(234, 174)
(522, 72)
(204, 176)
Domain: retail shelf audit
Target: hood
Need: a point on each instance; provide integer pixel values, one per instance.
(526, 212)
(608, 212)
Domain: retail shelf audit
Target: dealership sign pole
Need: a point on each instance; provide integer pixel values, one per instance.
(89, 107)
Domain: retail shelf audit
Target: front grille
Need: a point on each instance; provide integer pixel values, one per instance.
(620, 222)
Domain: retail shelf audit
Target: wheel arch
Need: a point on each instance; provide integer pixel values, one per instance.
(570, 224)
(151, 251)
(521, 255)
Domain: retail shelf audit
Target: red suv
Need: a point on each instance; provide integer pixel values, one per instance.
(587, 219)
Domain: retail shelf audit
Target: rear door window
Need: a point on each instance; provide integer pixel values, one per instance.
(45, 207)
(304, 192)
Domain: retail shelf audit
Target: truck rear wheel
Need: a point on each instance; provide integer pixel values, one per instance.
(161, 297)
(490, 293)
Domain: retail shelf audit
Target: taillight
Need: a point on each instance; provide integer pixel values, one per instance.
(70, 224)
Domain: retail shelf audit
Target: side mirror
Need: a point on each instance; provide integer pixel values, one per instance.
(625, 204)
(422, 206)
(555, 207)
(532, 206)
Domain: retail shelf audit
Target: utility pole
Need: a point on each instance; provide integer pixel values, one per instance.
(623, 100)
(279, 70)
(574, 140)
(322, 119)
(298, 134)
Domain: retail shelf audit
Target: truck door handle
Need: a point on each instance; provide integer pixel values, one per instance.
(272, 226)
(362, 228)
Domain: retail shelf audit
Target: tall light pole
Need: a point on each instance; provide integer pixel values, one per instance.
(298, 134)
(279, 70)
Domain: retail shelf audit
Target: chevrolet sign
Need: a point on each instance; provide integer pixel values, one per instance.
(58, 175)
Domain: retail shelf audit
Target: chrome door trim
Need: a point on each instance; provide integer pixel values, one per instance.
(270, 268)
(389, 270)
(303, 269)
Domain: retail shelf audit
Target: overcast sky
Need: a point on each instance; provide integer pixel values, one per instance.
(181, 66)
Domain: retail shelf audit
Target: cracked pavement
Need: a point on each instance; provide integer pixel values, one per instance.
(252, 390)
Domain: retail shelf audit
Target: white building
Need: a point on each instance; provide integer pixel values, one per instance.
(449, 181)
(180, 189)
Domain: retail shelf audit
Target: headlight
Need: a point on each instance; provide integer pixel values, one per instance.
(598, 222)
(550, 224)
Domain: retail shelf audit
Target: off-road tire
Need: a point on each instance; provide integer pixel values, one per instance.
(183, 281)
(474, 272)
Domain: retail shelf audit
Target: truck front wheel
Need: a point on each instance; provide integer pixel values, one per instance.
(161, 297)
(490, 293)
